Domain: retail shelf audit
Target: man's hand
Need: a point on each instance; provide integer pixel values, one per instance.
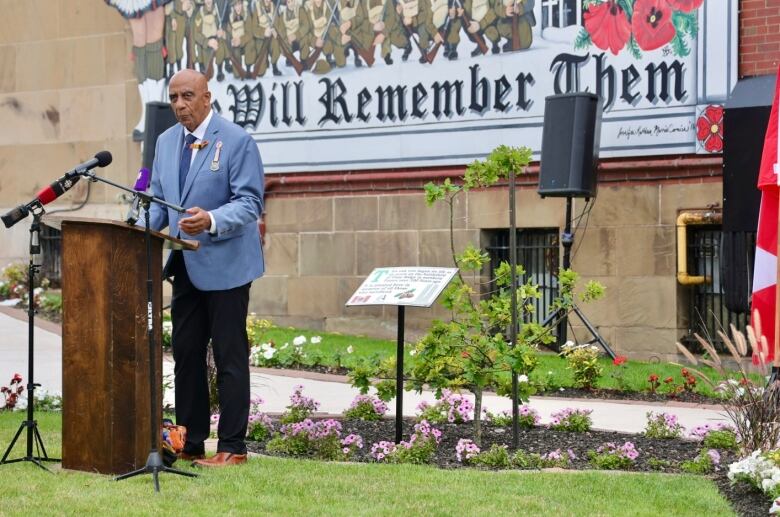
(200, 221)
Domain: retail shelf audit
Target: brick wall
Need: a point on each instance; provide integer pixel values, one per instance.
(759, 37)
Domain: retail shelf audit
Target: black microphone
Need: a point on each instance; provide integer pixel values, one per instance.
(101, 159)
(54, 190)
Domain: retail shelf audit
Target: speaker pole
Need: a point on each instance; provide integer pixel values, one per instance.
(567, 239)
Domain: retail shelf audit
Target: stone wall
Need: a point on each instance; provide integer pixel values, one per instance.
(67, 91)
(319, 249)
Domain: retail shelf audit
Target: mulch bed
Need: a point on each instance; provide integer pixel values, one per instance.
(746, 502)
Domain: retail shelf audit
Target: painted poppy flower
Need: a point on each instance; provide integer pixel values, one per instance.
(652, 24)
(17, 378)
(685, 6)
(607, 25)
(709, 129)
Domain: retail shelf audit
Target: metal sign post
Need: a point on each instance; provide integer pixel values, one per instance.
(401, 286)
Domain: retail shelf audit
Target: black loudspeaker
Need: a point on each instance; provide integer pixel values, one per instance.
(159, 117)
(570, 145)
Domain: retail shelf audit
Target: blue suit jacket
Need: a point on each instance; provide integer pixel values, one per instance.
(233, 194)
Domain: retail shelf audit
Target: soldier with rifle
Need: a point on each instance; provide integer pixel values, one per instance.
(239, 40)
(445, 18)
(480, 19)
(295, 34)
(515, 19)
(265, 27)
(356, 31)
(386, 25)
(415, 16)
(327, 37)
(174, 35)
(189, 10)
(210, 40)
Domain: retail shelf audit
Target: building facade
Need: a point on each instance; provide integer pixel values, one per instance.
(348, 149)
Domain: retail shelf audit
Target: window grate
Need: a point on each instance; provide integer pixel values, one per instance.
(538, 253)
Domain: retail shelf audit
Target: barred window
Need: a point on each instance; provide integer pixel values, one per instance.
(537, 252)
(706, 304)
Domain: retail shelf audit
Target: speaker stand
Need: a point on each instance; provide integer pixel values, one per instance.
(567, 240)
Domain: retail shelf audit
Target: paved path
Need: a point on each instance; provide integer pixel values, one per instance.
(333, 394)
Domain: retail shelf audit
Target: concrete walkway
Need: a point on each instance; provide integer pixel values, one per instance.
(331, 391)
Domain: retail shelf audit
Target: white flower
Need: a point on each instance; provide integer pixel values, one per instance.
(522, 378)
(350, 349)
(300, 340)
(412, 352)
(316, 339)
(284, 346)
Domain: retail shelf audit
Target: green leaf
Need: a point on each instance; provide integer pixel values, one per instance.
(679, 46)
(582, 40)
(633, 47)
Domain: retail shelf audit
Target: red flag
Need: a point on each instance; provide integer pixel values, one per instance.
(765, 270)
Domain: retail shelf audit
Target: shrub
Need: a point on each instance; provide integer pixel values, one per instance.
(557, 459)
(753, 410)
(572, 420)
(583, 362)
(707, 461)
(716, 436)
(528, 417)
(759, 469)
(525, 460)
(366, 407)
(320, 439)
(613, 457)
(466, 450)
(259, 426)
(418, 450)
(663, 425)
(659, 464)
(452, 407)
(300, 407)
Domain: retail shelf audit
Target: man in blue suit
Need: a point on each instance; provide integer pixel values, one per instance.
(211, 167)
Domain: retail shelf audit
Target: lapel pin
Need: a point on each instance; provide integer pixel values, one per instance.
(215, 162)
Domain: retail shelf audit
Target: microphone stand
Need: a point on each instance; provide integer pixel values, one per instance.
(154, 463)
(33, 435)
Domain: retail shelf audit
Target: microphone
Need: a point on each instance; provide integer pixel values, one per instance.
(101, 159)
(141, 184)
(54, 190)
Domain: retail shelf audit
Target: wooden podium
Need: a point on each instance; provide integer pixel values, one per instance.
(105, 351)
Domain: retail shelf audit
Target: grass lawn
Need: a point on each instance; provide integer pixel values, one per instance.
(551, 371)
(297, 487)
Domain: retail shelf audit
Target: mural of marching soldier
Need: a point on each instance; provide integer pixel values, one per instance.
(265, 25)
(327, 37)
(356, 32)
(445, 18)
(239, 39)
(295, 34)
(210, 40)
(174, 36)
(387, 28)
(416, 17)
(480, 23)
(515, 19)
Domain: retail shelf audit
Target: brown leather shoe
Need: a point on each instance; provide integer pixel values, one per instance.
(221, 459)
(185, 456)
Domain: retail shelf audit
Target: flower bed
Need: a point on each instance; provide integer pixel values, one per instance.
(654, 454)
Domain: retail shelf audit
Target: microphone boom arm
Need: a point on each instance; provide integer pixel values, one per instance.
(91, 176)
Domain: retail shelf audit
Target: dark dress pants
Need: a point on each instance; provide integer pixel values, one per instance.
(197, 317)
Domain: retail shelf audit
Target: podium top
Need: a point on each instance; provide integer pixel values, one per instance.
(169, 242)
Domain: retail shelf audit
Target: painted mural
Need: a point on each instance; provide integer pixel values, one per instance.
(349, 84)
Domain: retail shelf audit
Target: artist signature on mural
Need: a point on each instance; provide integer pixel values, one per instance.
(628, 132)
